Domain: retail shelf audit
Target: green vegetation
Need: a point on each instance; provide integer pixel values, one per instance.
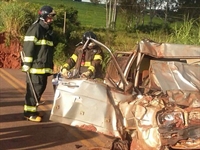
(186, 33)
(17, 15)
(14, 18)
(89, 14)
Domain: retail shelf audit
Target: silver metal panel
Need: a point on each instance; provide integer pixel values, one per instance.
(84, 103)
(175, 75)
(167, 50)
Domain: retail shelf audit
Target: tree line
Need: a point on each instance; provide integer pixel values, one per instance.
(135, 11)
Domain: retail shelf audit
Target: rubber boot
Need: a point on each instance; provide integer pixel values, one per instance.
(35, 117)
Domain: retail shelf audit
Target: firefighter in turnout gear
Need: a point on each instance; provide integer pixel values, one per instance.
(38, 50)
(87, 60)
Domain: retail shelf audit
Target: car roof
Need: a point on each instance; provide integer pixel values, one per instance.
(168, 50)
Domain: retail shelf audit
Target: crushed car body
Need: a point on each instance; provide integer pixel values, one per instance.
(151, 94)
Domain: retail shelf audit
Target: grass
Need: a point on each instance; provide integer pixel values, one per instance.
(90, 15)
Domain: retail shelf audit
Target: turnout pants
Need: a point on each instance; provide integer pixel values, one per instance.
(39, 83)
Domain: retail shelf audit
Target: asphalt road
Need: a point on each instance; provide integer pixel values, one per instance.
(19, 134)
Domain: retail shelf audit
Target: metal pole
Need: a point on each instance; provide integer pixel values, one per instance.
(30, 81)
(64, 24)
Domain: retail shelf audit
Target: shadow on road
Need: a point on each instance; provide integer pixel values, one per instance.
(26, 135)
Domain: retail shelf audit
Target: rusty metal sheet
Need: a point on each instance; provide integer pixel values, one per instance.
(174, 76)
(185, 98)
(167, 50)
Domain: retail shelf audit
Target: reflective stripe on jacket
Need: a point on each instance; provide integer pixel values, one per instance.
(92, 58)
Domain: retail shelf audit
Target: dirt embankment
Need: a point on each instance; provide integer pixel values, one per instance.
(9, 53)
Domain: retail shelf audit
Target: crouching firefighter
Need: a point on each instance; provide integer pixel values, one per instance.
(86, 60)
(37, 58)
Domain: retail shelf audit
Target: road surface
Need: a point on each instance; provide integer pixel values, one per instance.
(19, 134)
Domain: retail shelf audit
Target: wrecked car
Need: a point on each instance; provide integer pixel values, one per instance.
(149, 97)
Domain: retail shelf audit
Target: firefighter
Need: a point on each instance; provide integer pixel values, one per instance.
(38, 50)
(87, 60)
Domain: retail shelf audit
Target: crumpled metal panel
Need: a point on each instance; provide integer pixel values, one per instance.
(79, 103)
(83, 103)
(166, 50)
(171, 75)
(185, 98)
(142, 111)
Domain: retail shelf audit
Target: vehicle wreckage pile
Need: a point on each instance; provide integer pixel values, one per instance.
(149, 97)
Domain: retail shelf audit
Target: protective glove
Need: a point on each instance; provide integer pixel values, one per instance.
(86, 74)
(55, 79)
(65, 73)
(25, 68)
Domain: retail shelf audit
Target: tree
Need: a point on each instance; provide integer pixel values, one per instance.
(111, 13)
(131, 10)
(191, 8)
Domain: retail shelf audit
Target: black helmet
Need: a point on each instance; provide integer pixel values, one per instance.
(88, 34)
(46, 11)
